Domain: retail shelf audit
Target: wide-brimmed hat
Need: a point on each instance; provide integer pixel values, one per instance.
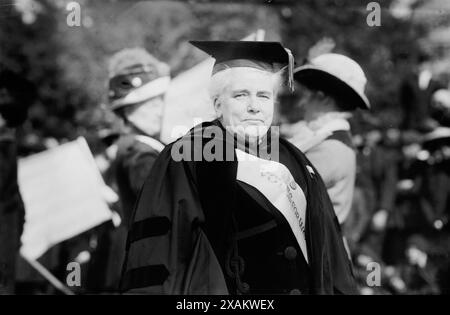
(338, 75)
(135, 76)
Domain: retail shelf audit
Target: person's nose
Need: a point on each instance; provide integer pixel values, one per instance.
(253, 105)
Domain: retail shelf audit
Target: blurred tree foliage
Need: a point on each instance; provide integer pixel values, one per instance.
(381, 50)
(68, 64)
(32, 51)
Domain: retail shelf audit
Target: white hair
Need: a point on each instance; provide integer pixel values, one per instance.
(221, 80)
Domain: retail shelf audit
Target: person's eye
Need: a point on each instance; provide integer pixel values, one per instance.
(265, 96)
(239, 95)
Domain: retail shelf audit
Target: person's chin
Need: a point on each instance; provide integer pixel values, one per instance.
(255, 130)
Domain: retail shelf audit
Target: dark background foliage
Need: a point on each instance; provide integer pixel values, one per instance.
(67, 65)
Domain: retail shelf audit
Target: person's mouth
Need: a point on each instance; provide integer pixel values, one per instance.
(254, 121)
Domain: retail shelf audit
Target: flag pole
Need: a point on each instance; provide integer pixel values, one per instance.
(49, 276)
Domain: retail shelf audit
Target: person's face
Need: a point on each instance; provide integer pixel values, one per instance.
(373, 137)
(311, 104)
(305, 97)
(246, 105)
(147, 116)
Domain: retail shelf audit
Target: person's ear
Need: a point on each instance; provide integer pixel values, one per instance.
(332, 103)
(218, 107)
(321, 96)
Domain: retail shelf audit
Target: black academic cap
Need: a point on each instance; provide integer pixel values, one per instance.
(268, 56)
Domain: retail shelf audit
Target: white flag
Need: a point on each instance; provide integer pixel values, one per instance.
(63, 192)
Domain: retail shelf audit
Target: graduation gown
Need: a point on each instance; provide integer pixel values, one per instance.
(198, 230)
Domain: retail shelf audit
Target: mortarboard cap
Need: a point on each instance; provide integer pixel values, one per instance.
(267, 56)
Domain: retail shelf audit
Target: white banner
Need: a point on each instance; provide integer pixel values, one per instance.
(63, 192)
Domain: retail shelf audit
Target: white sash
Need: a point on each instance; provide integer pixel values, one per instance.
(275, 182)
(153, 143)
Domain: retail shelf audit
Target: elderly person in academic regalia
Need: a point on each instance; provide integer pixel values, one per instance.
(330, 87)
(241, 211)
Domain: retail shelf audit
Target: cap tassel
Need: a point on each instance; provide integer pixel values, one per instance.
(290, 70)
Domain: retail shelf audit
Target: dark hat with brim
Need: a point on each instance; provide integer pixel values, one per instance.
(136, 76)
(338, 76)
(320, 80)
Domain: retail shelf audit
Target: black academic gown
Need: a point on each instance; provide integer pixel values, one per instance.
(197, 230)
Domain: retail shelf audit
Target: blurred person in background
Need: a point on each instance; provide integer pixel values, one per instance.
(407, 213)
(330, 87)
(367, 193)
(15, 97)
(436, 186)
(422, 201)
(420, 272)
(416, 86)
(440, 107)
(379, 155)
(137, 85)
(385, 159)
(436, 199)
(106, 243)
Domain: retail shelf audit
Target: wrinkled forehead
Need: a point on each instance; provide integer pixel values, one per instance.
(250, 79)
(246, 63)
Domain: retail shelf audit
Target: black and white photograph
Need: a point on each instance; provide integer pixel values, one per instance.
(225, 153)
